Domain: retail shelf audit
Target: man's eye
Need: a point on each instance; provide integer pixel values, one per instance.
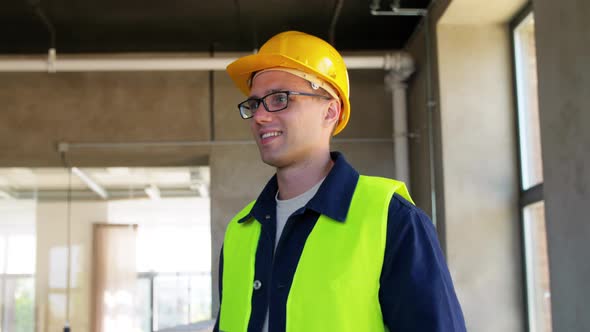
(252, 104)
(280, 98)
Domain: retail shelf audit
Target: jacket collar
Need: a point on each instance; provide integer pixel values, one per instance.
(332, 199)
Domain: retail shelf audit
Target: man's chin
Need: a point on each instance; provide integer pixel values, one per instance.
(273, 160)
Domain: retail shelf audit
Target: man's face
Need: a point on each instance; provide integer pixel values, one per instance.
(295, 134)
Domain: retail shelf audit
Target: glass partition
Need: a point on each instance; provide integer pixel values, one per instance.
(104, 249)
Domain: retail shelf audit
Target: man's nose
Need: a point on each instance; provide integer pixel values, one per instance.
(261, 114)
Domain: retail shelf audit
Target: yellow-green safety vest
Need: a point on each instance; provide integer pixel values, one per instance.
(336, 283)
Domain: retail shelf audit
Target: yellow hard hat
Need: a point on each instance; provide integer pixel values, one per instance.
(300, 51)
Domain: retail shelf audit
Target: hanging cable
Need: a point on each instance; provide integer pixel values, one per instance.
(62, 150)
(36, 5)
(238, 21)
(332, 32)
(212, 96)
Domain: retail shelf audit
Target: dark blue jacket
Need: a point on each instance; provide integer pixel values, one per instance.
(416, 292)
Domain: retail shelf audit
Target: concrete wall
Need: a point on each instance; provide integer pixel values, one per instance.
(563, 63)
(480, 174)
(474, 155)
(37, 110)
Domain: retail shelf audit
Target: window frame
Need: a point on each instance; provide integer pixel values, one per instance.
(533, 194)
(153, 294)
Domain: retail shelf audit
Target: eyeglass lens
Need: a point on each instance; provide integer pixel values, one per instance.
(273, 102)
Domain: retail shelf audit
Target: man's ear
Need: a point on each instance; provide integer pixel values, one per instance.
(332, 115)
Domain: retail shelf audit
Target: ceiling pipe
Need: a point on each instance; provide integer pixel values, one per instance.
(77, 63)
(396, 10)
(399, 12)
(395, 82)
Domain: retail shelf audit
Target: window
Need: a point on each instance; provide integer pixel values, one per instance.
(173, 254)
(537, 271)
(159, 278)
(527, 99)
(17, 265)
(538, 294)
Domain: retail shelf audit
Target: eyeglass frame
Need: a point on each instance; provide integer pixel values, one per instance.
(262, 100)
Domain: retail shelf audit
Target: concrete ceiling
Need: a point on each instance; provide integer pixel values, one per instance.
(481, 11)
(87, 26)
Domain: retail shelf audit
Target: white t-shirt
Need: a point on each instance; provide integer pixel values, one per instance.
(285, 209)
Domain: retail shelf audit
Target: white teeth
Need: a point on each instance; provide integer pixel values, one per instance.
(271, 134)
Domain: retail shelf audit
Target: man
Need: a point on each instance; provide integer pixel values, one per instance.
(323, 248)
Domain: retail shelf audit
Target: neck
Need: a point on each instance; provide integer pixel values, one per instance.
(299, 178)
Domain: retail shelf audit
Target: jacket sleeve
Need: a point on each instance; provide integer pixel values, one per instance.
(417, 292)
(220, 285)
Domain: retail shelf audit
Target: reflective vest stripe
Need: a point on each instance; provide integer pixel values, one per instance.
(239, 253)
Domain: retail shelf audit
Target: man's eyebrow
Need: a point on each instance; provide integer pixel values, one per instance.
(267, 92)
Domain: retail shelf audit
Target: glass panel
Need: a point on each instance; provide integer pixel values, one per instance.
(143, 305)
(200, 297)
(21, 254)
(537, 266)
(169, 205)
(19, 296)
(17, 250)
(171, 301)
(528, 108)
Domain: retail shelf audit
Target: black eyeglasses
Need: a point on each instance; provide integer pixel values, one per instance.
(273, 102)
